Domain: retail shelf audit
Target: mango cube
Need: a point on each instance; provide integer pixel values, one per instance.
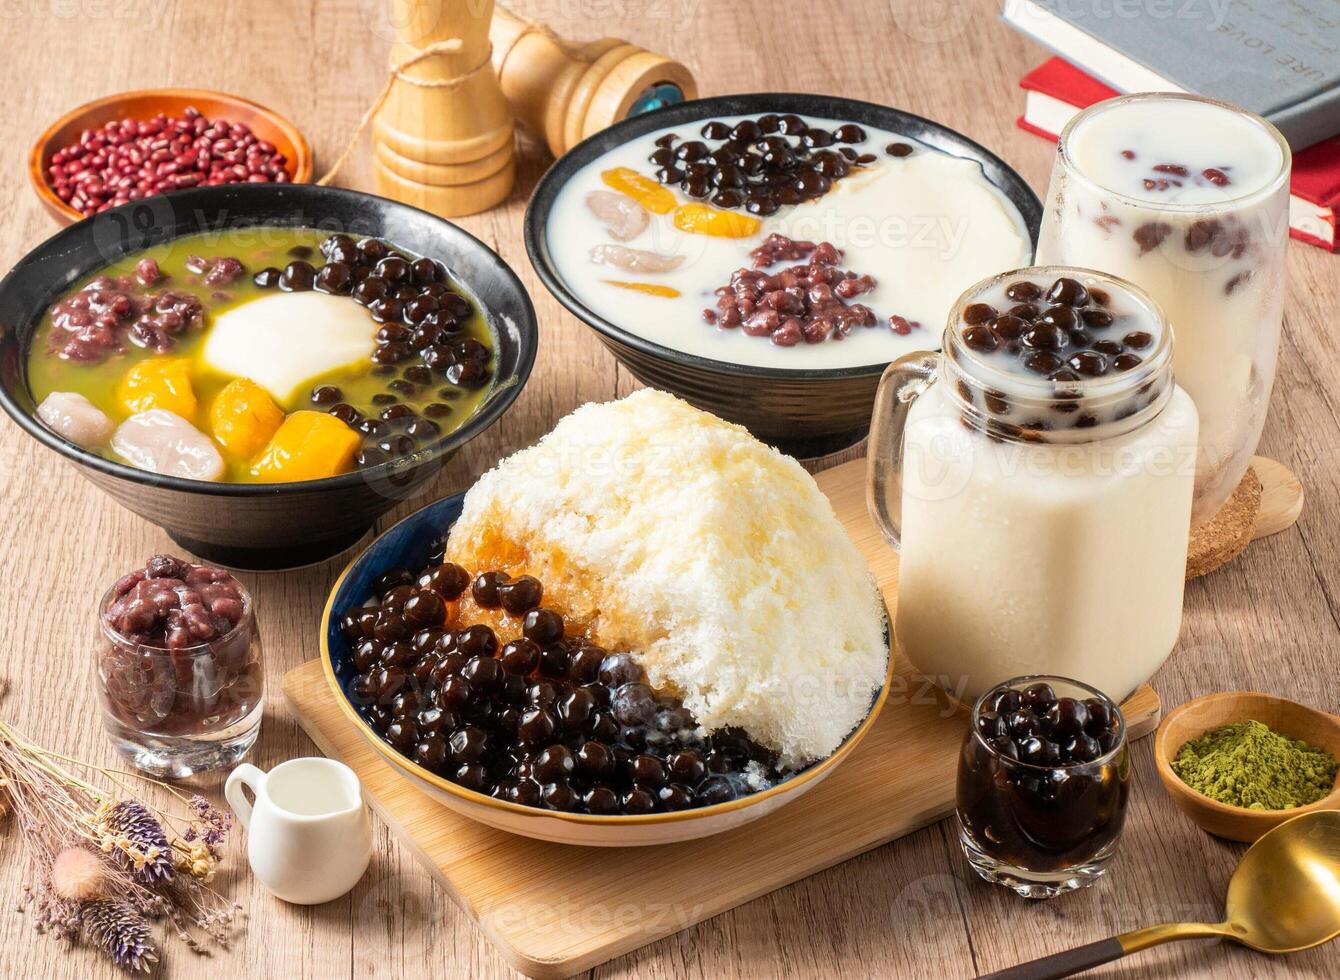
(244, 417)
(644, 190)
(702, 219)
(159, 382)
(308, 446)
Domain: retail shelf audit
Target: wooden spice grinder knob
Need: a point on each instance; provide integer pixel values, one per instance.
(564, 92)
(443, 139)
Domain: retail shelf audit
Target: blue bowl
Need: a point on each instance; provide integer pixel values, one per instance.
(410, 544)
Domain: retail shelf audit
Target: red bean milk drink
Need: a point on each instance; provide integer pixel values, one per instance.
(1187, 198)
(1037, 478)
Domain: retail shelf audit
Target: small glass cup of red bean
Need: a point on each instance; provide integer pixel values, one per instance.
(1043, 779)
(178, 667)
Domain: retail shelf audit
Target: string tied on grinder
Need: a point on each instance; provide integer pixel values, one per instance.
(398, 72)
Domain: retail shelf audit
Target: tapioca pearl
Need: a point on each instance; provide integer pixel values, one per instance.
(559, 796)
(1025, 311)
(997, 402)
(1096, 319)
(1043, 362)
(542, 693)
(554, 764)
(584, 664)
(594, 761)
(1110, 347)
(1126, 361)
(1022, 724)
(520, 595)
(468, 744)
(448, 580)
(849, 133)
(1063, 317)
(431, 752)
(1009, 327)
(477, 641)
(1138, 339)
(1067, 291)
(691, 151)
(267, 278)
(978, 313)
(898, 149)
(601, 801)
(1067, 717)
(1100, 716)
(554, 660)
(544, 626)
(603, 727)
(638, 801)
(1089, 363)
(674, 797)
(520, 657)
(1086, 421)
(297, 277)
(1046, 337)
(980, 338)
(715, 790)
(1080, 338)
(536, 728)
(1081, 748)
(1023, 291)
(484, 589)
(647, 771)
(963, 391)
(633, 704)
(619, 669)
(1039, 752)
(484, 674)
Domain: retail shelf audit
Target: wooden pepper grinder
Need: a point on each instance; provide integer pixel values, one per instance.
(443, 138)
(564, 92)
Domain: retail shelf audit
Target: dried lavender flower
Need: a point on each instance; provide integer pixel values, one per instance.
(137, 840)
(121, 932)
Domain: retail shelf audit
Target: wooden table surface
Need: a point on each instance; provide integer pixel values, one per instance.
(912, 908)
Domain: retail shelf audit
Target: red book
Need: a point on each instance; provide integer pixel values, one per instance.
(1056, 90)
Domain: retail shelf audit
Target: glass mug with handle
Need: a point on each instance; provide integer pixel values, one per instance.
(1188, 198)
(1037, 478)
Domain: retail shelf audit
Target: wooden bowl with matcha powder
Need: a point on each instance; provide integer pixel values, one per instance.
(1241, 763)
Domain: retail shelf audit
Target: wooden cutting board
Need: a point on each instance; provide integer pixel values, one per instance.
(555, 910)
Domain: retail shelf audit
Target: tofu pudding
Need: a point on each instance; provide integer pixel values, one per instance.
(1037, 478)
(1187, 198)
(780, 241)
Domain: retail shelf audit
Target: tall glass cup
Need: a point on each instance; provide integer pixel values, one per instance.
(1041, 513)
(1188, 198)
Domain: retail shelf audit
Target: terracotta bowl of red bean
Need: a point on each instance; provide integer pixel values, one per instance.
(236, 141)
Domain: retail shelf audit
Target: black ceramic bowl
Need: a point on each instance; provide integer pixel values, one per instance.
(806, 412)
(273, 525)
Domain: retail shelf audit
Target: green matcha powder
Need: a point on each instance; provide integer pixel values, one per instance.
(1253, 766)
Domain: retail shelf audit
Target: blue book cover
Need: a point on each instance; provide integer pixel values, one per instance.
(1278, 58)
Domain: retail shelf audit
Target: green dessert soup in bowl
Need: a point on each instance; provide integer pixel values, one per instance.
(262, 355)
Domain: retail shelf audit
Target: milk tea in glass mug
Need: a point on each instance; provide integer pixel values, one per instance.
(1188, 198)
(1037, 479)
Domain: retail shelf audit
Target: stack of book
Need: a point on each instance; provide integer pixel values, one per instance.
(1279, 60)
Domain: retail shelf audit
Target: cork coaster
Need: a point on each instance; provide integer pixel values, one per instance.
(1222, 538)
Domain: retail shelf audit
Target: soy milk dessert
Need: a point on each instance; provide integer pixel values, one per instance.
(781, 241)
(1187, 198)
(1043, 498)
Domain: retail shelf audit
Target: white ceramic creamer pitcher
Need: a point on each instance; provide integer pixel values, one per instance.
(309, 836)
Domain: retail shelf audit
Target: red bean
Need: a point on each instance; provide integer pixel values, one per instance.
(128, 159)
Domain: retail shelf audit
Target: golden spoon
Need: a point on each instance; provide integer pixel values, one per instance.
(1283, 897)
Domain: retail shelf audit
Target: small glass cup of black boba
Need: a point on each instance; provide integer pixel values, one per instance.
(1043, 779)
